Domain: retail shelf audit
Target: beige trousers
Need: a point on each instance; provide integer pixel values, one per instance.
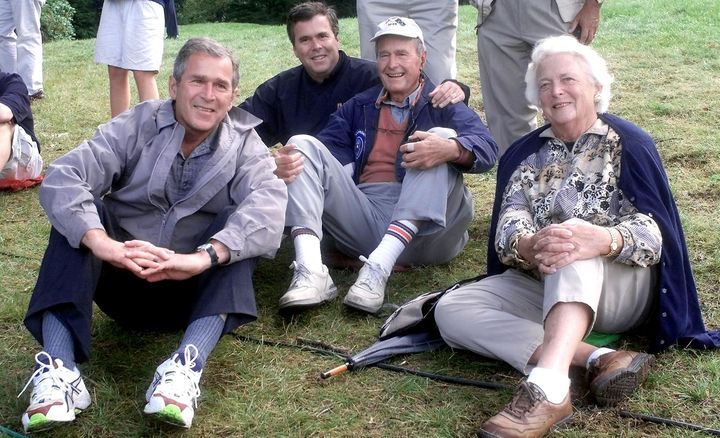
(501, 316)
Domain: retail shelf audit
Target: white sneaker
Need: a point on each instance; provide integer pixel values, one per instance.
(58, 394)
(368, 292)
(307, 289)
(172, 396)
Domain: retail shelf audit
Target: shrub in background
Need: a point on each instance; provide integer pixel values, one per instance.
(87, 17)
(248, 11)
(56, 21)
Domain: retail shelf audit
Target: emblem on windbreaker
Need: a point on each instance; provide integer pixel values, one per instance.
(359, 143)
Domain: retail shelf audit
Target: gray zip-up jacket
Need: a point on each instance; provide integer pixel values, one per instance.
(127, 163)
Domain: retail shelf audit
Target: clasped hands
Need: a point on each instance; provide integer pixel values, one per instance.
(559, 245)
(145, 260)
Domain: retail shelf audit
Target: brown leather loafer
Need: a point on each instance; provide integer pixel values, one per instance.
(528, 415)
(615, 376)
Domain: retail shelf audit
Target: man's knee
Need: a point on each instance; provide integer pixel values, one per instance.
(306, 144)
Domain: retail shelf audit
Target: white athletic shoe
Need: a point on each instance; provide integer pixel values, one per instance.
(172, 396)
(58, 394)
(368, 292)
(307, 289)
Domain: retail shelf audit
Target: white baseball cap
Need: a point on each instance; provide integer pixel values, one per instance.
(401, 26)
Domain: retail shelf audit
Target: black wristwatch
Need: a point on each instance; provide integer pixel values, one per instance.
(208, 248)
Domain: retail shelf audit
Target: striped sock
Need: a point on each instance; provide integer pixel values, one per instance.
(307, 248)
(397, 237)
(204, 333)
(57, 340)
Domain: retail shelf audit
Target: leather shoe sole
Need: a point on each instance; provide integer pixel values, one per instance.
(616, 386)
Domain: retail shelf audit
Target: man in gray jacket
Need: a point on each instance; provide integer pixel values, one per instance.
(158, 219)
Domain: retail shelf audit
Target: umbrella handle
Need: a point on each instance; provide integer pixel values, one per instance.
(335, 371)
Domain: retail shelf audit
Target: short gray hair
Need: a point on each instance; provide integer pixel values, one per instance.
(594, 64)
(209, 47)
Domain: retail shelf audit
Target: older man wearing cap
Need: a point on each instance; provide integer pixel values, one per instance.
(384, 178)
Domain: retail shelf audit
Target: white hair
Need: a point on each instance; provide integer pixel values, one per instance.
(594, 64)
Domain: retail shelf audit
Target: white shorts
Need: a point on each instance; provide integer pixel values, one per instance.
(131, 35)
(25, 161)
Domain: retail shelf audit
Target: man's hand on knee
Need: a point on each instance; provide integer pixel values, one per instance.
(289, 163)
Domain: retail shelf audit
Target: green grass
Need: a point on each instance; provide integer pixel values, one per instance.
(665, 56)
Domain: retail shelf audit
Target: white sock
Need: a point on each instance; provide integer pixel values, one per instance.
(555, 385)
(307, 250)
(597, 353)
(396, 239)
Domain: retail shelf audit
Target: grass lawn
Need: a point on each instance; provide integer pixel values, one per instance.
(665, 56)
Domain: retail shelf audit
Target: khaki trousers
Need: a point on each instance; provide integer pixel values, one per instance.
(501, 316)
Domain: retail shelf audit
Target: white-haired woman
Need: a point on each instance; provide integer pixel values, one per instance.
(584, 236)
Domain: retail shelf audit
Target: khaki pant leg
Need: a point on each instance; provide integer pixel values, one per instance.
(499, 317)
(620, 296)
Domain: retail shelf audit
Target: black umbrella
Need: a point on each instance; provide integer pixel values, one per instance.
(410, 329)
(383, 349)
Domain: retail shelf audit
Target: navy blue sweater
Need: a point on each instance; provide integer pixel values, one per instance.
(293, 103)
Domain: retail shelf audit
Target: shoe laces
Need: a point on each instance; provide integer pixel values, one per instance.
(181, 377)
(525, 399)
(372, 276)
(301, 275)
(46, 379)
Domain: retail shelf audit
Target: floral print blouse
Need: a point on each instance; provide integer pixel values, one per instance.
(560, 182)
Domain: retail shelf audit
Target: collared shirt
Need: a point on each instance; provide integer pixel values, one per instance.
(185, 171)
(400, 110)
(559, 183)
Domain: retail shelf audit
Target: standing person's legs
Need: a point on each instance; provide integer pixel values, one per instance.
(438, 20)
(29, 44)
(503, 57)
(108, 50)
(119, 90)
(505, 42)
(138, 48)
(146, 85)
(8, 38)
(370, 13)
(144, 45)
